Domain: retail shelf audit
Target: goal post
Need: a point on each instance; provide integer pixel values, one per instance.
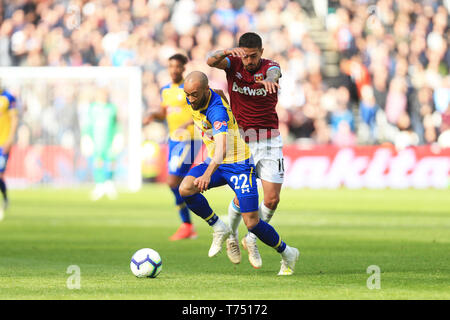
(52, 103)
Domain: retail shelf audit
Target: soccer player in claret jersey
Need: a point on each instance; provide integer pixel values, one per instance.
(229, 162)
(253, 88)
(183, 148)
(9, 120)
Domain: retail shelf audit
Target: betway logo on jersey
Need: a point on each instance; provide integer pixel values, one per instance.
(249, 91)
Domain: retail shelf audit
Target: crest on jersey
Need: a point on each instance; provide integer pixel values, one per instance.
(218, 124)
(259, 77)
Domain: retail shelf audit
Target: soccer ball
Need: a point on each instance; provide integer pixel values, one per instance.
(146, 263)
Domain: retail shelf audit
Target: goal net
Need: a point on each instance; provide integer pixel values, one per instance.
(54, 110)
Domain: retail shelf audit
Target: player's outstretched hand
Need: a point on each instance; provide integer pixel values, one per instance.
(270, 86)
(235, 52)
(202, 183)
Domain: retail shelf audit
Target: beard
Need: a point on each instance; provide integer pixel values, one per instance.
(200, 104)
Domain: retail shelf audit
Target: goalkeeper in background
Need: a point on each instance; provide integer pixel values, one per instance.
(102, 141)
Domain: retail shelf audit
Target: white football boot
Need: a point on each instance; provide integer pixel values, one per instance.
(220, 235)
(289, 258)
(233, 250)
(253, 253)
(98, 192)
(110, 190)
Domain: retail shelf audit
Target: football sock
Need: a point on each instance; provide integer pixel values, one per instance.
(234, 217)
(265, 214)
(198, 204)
(184, 213)
(182, 208)
(267, 234)
(99, 174)
(3, 189)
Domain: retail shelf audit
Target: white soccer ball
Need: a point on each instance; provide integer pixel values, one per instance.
(146, 263)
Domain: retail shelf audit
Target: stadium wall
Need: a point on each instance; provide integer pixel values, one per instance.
(372, 167)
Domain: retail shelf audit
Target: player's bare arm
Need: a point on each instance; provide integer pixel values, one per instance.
(158, 115)
(220, 151)
(182, 129)
(270, 83)
(217, 59)
(222, 94)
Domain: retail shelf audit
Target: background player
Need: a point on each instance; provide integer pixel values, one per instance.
(100, 131)
(183, 148)
(253, 86)
(229, 162)
(9, 120)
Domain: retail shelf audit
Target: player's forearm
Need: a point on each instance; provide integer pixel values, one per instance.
(187, 124)
(215, 58)
(159, 115)
(219, 154)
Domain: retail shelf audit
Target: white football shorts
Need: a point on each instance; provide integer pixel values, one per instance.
(268, 157)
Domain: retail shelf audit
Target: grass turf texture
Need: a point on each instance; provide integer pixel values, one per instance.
(340, 233)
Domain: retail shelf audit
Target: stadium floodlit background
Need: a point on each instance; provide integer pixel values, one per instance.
(364, 103)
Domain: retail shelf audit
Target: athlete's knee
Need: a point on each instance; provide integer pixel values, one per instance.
(251, 219)
(187, 187)
(272, 201)
(173, 182)
(236, 202)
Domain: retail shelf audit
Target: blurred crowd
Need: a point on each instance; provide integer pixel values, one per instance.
(392, 85)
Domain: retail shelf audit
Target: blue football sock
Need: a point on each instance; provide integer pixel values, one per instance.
(267, 234)
(3, 189)
(183, 209)
(184, 213)
(198, 204)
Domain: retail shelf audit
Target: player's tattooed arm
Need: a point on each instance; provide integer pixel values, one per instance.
(217, 59)
(273, 74)
(270, 83)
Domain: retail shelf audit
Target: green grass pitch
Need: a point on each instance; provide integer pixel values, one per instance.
(340, 233)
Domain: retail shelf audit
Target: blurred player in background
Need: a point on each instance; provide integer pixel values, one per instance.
(183, 148)
(9, 120)
(229, 162)
(253, 89)
(100, 133)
